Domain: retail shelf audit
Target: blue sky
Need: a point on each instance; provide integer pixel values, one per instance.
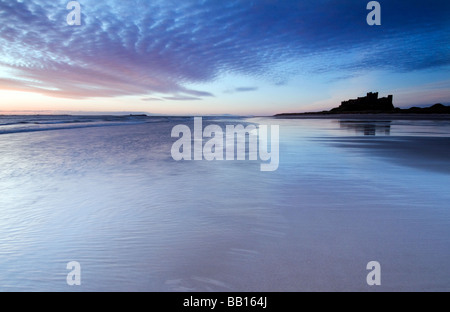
(216, 57)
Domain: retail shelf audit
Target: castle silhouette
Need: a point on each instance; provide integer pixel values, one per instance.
(371, 102)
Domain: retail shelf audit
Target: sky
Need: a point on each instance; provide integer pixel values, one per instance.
(244, 57)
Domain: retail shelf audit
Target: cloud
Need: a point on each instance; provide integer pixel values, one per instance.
(246, 89)
(145, 47)
(198, 93)
(151, 99)
(241, 89)
(183, 98)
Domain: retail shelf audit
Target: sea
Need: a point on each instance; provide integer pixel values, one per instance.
(105, 192)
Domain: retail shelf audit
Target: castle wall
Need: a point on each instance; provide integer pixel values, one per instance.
(369, 102)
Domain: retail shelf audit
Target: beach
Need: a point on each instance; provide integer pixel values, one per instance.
(107, 194)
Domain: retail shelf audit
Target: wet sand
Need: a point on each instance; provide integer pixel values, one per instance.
(429, 153)
(113, 199)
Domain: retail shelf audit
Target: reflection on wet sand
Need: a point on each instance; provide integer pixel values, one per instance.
(367, 127)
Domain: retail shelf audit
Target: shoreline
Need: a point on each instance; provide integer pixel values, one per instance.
(369, 116)
(356, 116)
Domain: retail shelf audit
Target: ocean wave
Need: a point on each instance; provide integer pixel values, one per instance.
(23, 124)
(67, 127)
(26, 123)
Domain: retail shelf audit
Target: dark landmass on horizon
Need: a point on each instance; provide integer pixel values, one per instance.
(372, 105)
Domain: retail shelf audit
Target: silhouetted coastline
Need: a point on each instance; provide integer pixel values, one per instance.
(371, 106)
